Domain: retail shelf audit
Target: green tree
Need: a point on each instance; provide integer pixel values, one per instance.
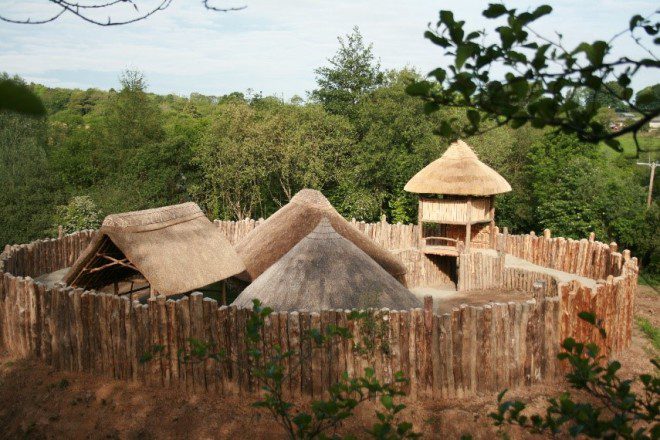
(611, 96)
(17, 97)
(648, 99)
(131, 118)
(28, 190)
(353, 73)
(255, 157)
(395, 140)
(80, 213)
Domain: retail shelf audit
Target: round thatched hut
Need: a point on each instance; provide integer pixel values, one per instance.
(461, 207)
(326, 271)
(267, 243)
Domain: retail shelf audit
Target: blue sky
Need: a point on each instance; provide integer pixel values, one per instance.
(272, 46)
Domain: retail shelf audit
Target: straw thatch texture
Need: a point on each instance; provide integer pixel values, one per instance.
(460, 172)
(326, 271)
(176, 248)
(267, 243)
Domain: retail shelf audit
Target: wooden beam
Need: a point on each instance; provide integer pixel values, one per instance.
(124, 261)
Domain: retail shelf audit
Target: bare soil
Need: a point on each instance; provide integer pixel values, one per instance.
(38, 402)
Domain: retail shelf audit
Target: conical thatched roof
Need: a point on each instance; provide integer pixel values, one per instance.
(326, 271)
(269, 241)
(175, 248)
(458, 172)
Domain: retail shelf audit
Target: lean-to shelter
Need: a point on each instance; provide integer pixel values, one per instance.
(176, 249)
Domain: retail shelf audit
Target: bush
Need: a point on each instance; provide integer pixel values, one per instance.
(614, 409)
(80, 213)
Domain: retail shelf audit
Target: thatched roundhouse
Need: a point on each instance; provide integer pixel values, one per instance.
(326, 271)
(175, 248)
(267, 243)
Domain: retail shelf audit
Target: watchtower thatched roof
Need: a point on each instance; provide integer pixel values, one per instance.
(175, 248)
(458, 172)
(269, 241)
(326, 271)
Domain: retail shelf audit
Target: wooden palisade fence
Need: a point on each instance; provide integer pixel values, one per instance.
(470, 350)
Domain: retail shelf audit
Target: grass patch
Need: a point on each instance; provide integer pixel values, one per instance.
(649, 279)
(647, 141)
(650, 331)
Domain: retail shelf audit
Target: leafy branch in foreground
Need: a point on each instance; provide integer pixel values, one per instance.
(542, 79)
(325, 416)
(614, 410)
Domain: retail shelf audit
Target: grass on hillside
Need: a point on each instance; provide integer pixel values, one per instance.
(647, 141)
(650, 331)
(649, 279)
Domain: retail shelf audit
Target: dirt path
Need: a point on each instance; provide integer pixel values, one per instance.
(38, 402)
(515, 262)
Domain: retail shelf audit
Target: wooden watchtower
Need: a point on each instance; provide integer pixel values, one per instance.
(456, 202)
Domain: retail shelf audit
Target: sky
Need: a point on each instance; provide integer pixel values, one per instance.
(271, 47)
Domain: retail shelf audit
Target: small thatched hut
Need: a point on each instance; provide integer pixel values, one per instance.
(326, 271)
(465, 210)
(267, 243)
(176, 249)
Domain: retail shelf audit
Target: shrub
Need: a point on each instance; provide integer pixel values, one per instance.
(80, 213)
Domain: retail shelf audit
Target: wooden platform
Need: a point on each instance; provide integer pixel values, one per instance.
(451, 251)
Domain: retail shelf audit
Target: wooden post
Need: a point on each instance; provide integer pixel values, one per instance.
(420, 224)
(539, 288)
(492, 221)
(505, 238)
(60, 231)
(468, 227)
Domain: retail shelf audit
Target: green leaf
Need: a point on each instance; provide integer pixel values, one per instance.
(431, 107)
(437, 39)
(17, 97)
(588, 317)
(506, 35)
(598, 51)
(419, 88)
(387, 401)
(634, 21)
(447, 17)
(463, 52)
(494, 10)
(541, 11)
(302, 420)
(439, 74)
(474, 117)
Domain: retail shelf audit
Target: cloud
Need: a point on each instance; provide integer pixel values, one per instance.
(273, 46)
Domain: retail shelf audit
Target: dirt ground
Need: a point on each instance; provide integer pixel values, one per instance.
(38, 402)
(444, 300)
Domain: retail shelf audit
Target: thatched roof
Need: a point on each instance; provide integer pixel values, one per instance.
(269, 241)
(459, 172)
(175, 248)
(326, 271)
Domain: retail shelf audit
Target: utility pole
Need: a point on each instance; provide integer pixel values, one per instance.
(652, 165)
